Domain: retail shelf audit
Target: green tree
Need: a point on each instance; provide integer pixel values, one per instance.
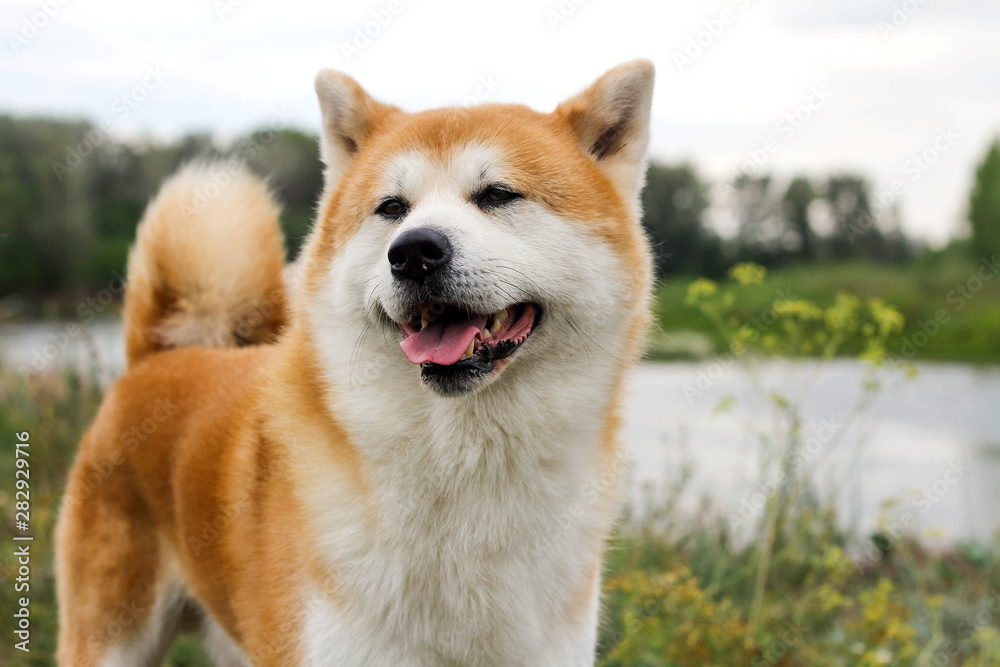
(984, 204)
(856, 231)
(44, 213)
(289, 159)
(674, 203)
(763, 234)
(796, 202)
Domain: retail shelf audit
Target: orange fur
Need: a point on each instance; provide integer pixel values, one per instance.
(182, 289)
(209, 492)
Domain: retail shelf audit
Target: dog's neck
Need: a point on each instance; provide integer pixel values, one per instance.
(537, 437)
(530, 418)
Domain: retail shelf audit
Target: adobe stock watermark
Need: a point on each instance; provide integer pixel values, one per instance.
(721, 363)
(958, 298)
(592, 494)
(962, 293)
(33, 24)
(129, 613)
(910, 172)
(224, 8)
(121, 107)
(203, 536)
(902, 524)
(87, 310)
(754, 502)
(223, 171)
(781, 645)
(901, 14)
(485, 89)
(986, 613)
(784, 129)
(284, 637)
(160, 411)
(370, 30)
(561, 12)
(711, 30)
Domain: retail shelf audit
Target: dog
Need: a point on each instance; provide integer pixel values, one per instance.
(404, 448)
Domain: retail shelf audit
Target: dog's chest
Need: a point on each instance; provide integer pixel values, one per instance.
(473, 564)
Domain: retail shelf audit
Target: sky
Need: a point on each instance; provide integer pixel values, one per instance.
(906, 92)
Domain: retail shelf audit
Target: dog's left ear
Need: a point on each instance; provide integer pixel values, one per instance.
(350, 116)
(611, 123)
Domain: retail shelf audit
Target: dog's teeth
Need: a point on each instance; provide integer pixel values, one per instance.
(472, 346)
(486, 335)
(498, 320)
(426, 317)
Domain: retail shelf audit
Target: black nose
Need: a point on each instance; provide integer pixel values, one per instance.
(417, 253)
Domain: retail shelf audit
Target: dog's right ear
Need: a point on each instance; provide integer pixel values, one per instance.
(611, 123)
(350, 116)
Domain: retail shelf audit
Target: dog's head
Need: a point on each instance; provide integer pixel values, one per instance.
(469, 241)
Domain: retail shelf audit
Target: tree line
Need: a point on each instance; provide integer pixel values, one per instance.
(70, 199)
(804, 219)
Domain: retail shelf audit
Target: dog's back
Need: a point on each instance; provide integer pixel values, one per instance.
(163, 470)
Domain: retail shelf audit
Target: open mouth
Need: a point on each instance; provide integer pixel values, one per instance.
(447, 340)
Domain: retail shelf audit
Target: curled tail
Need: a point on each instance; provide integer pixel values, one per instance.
(206, 265)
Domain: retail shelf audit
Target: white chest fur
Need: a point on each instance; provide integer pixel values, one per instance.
(488, 529)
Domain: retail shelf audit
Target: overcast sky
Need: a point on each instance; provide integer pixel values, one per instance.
(886, 80)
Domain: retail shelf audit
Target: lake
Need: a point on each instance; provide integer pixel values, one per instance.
(931, 444)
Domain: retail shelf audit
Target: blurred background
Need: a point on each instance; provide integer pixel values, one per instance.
(814, 438)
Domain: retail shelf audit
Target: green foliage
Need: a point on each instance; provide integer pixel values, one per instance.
(856, 231)
(823, 613)
(71, 197)
(776, 227)
(290, 161)
(941, 294)
(668, 618)
(674, 202)
(43, 221)
(796, 327)
(796, 204)
(54, 411)
(762, 233)
(680, 591)
(780, 589)
(984, 204)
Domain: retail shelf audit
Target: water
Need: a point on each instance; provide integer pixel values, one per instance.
(39, 347)
(932, 444)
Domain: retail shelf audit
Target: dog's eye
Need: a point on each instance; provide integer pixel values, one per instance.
(495, 195)
(392, 209)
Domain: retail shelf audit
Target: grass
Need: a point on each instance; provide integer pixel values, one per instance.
(682, 593)
(678, 590)
(928, 293)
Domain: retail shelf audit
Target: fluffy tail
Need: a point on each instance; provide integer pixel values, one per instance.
(206, 265)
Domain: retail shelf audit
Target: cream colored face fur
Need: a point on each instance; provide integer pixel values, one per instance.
(523, 252)
(526, 250)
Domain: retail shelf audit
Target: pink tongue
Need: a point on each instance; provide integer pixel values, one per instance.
(444, 341)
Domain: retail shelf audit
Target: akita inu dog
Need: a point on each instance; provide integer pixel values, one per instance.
(410, 455)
